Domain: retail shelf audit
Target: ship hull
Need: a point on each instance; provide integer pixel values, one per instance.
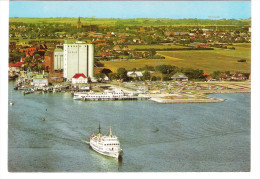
(109, 154)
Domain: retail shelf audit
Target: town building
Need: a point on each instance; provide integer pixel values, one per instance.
(238, 77)
(40, 81)
(79, 25)
(78, 58)
(15, 67)
(58, 59)
(79, 78)
(48, 62)
(179, 77)
(224, 77)
(134, 74)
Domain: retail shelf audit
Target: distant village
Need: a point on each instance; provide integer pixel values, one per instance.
(73, 61)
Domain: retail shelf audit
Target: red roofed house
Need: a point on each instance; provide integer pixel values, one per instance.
(79, 78)
(238, 76)
(207, 77)
(224, 77)
(103, 54)
(15, 67)
(203, 46)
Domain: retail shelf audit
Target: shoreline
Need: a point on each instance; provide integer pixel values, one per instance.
(180, 94)
(203, 99)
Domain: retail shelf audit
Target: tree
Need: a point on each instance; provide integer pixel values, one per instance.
(27, 62)
(215, 74)
(106, 71)
(100, 76)
(153, 51)
(146, 75)
(15, 57)
(113, 76)
(122, 73)
(194, 74)
(153, 78)
(166, 77)
(165, 69)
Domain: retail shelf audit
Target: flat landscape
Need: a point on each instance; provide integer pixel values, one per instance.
(156, 46)
(207, 60)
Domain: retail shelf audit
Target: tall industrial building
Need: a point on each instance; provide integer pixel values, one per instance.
(58, 59)
(78, 58)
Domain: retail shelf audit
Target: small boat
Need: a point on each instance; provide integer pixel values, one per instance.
(106, 145)
(11, 103)
(43, 119)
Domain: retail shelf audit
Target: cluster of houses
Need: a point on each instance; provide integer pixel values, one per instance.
(209, 35)
(237, 76)
(113, 44)
(55, 56)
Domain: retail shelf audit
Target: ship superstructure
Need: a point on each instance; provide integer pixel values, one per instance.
(116, 94)
(106, 145)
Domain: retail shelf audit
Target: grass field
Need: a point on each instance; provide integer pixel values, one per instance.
(156, 46)
(40, 40)
(85, 21)
(136, 21)
(207, 60)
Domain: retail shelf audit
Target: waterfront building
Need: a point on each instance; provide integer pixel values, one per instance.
(15, 67)
(78, 58)
(40, 81)
(58, 59)
(79, 78)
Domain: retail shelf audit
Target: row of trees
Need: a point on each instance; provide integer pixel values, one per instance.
(15, 57)
(166, 71)
(33, 64)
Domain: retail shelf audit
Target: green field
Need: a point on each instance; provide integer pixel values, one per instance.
(138, 21)
(40, 40)
(207, 60)
(85, 21)
(156, 46)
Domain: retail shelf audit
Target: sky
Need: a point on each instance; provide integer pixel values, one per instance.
(132, 9)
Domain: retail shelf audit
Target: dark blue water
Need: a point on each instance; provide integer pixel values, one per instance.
(154, 137)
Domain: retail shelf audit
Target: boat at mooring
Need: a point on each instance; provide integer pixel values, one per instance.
(116, 94)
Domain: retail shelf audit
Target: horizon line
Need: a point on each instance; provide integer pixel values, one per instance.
(138, 18)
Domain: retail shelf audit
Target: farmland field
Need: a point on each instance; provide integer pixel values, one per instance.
(156, 46)
(207, 60)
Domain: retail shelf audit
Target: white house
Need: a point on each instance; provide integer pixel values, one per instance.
(79, 78)
(40, 81)
(134, 74)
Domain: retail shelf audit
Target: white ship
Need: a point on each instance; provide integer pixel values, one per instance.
(116, 94)
(105, 145)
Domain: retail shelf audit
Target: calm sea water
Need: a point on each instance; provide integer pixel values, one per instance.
(154, 137)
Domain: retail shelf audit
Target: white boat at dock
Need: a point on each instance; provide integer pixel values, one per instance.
(106, 145)
(116, 94)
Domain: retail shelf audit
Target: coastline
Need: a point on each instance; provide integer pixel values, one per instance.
(201, 96)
